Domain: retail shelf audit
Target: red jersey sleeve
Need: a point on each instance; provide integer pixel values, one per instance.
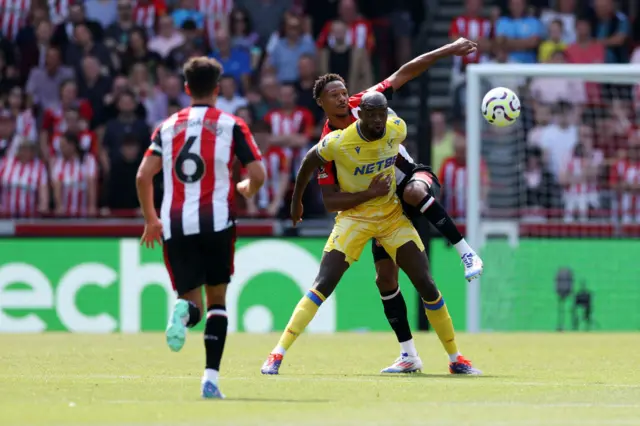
(327, 174)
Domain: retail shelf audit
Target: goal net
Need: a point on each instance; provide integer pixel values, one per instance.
(553, 202)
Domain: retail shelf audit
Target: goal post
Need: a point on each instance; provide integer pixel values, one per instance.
(500, 220)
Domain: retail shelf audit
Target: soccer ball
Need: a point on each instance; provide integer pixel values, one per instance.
(501, 107)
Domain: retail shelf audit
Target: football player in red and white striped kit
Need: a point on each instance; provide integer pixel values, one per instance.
(195, 149)
(417, 187)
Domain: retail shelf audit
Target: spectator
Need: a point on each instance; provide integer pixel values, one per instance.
(16, 106)
(519, 34)
(121, 188)
(291, 126)
(75, 125)
(625, 181)
(94, 87)
(58, 10)
(170, 92)
(126, 122)
(167, 39)
(187, 11)
(586, 50)
(148, 12)
(43, 83)
(265, 15)
(474, 27)
(193, 46)
(13, 17)
(360, 30)
(74, 179)
(579, 178)
(541, 190)
(9, 139)
(54, 116)
(104, 12)
(228, 99)
(553, 44)
(267, 99)
(64, 32)
(304, 87)
(287, 52)
(120, 86)
(559, 139)
(566, 13)
(24, 185)
(611, 27)
(235, 61)
(513, 82)
(141, 83)
(84, 45)
(270, 200)
(117, 34)
(441, 139)
(541, 119)
(551, 90)
(216, 17)
(453, 176)
(27, 36)
(8, 76)
(34, 54)
(241, 30)
(343, 59)
(137, 52)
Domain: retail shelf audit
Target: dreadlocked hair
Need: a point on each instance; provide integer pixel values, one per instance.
(322, 82)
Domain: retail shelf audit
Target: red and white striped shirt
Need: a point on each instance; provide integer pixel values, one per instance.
(26, 126)
(88, 143)
(453, 178)
(19, 184)
(53, 120)
(216, 15)
(74, 176)
(472, 29)
(359, 34)
(576, 168)
(13, 16)
(146, 14)
(277, 164)
(625, 171)
(198, 145)
(299, 121)
(58, 10)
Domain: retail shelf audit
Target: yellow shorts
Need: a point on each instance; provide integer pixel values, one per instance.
(349, 236)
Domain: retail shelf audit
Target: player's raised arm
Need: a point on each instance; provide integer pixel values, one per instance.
(419, 64)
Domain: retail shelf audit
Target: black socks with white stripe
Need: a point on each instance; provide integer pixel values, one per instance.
(215, 334)
(395, 309)
(438, 217)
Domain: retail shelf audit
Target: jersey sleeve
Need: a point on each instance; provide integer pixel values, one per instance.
(327, 174)
(399, 128)
(326, 148)
(245, 147)
(155, 148)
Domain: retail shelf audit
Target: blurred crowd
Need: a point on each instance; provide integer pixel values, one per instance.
(575, 153)
(84, 83)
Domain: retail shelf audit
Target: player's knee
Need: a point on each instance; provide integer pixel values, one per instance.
(430, 291)
(414, 193)
(386, 282)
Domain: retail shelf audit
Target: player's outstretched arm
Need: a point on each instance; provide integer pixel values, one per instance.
(337, 201)
(419, 64)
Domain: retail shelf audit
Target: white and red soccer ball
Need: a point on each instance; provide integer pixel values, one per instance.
(501, 107)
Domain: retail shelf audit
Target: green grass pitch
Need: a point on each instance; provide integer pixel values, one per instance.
(530, 379)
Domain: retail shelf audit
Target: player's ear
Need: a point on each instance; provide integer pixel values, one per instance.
(186, 89)
(319, 102)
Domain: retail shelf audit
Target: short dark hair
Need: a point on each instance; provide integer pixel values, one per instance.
(322, 82)
(202, 75)
(558, 22)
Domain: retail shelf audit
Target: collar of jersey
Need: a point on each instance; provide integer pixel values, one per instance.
(362, 136)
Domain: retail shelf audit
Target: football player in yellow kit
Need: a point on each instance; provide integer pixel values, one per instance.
(364, 153)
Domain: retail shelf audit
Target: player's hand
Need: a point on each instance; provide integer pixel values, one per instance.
(463, 47)
(380, 185)
(244, 188)
(152, 233)
(296, 212)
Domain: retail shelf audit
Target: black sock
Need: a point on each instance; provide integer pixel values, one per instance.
(395, 309)
(438, 217)
(194, 315)
(215, 334)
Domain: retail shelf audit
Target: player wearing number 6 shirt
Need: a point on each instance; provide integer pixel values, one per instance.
(195, 149)
(417, 188)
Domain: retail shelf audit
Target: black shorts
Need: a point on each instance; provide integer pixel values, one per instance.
(195, 260)
(419, 221)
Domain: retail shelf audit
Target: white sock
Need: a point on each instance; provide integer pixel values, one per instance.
(463, 247)
(409, 348)
(279, 350)
(210, 375)
(454, 357)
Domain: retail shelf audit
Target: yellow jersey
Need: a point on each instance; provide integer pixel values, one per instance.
(358, 161)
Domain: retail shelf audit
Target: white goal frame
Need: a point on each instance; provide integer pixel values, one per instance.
(476, 229)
